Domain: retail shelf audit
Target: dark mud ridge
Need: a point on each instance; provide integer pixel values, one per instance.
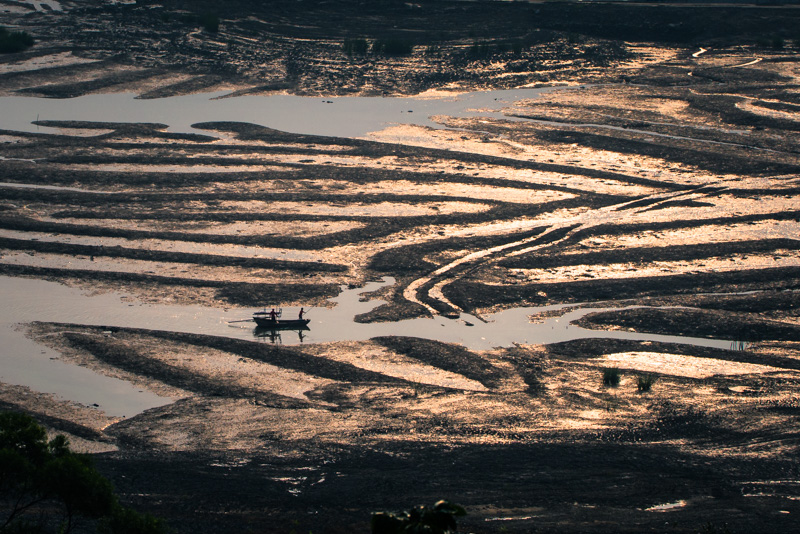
(674, 187)
(543, 446)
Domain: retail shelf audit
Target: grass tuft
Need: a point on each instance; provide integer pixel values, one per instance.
(611, 377)
(645, 382)
(11, 41)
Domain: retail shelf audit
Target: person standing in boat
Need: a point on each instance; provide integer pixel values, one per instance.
(272, 315)
(302, 312)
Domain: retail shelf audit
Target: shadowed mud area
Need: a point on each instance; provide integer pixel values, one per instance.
(661, 175)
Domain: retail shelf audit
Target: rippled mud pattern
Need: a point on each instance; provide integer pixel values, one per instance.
(277, 433)
(673, 189)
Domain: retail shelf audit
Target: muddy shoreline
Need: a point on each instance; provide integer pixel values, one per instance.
(650, 449)
(664, 177)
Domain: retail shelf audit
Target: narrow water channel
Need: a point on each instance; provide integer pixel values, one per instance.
(349, 116)
(26, 363)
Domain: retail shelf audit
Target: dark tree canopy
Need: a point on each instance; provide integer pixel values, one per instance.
(45, 487)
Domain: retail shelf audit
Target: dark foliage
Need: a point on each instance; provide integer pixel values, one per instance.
(392, 47)
(355, 47)
(14, 41)
(209, 22)
(440, 519)
(45, 487)
(644, 383)
(611, 377)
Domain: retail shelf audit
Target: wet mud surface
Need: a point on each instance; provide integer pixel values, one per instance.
(672, 185)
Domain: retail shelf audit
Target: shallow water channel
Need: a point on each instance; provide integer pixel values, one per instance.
(347, 116)
(26, 363)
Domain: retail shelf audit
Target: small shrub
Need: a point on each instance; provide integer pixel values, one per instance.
(209, 22)
(645, 382)
(392, 47)
(611, 377)
(355, 47)
(11, 42)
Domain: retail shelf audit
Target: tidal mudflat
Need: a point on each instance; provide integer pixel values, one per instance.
(655, 183)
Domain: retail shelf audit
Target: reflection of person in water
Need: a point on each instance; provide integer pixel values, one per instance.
(302, 312)
(272, 315)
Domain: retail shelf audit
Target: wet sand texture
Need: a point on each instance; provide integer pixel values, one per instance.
(659, 183)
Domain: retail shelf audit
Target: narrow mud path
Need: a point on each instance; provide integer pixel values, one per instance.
(427, 290)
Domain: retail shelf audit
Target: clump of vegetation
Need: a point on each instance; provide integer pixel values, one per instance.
(611, 377)
(45, 487)
(392, 47)
(644, 383)
(355, 47)
(14, 41)
(209, 22)
(439, 519)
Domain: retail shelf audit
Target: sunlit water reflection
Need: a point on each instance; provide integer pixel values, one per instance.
(25, 300)
(24, 362)
(347, 116)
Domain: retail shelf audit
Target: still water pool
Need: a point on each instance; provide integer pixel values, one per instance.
(330, 116)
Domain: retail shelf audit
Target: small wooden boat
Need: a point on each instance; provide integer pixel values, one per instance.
(264, 320)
